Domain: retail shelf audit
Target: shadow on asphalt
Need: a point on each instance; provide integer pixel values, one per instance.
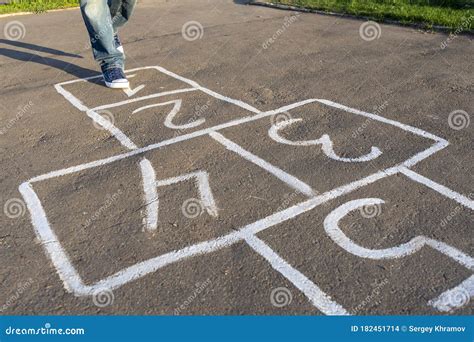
(39, 48)
(23, 56)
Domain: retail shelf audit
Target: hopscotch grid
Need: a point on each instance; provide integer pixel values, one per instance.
(247, 233)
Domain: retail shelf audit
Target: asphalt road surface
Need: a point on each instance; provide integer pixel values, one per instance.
(263, 162)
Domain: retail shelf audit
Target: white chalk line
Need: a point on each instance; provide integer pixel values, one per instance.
(331, 226)
(443, 190)
(151, 195)
(171, 115)
(375, 117)
(325, 142)
(285, 177)
(109, 126)
(455, 298)
(143, 98)
(67, 273)
(445, 300)
(204, 188)
(318, 298)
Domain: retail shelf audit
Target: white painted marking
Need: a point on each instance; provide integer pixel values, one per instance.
(208, 91)
(109, 126)
(151, 195)
(49, 241)
(171, 115)
(71, 98)
(130, 92)
(146, 97)
(331, 226)
(292, 181)
(324, 141)
(456, 297)
(445, 301)
(204, 188)
(375, 117)
(318, 298)
(439, 188)
(426, 153)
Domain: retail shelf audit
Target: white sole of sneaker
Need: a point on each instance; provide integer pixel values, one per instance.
(120, 48)
(118, 85)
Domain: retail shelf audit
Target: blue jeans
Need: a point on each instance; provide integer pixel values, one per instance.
(102, 19)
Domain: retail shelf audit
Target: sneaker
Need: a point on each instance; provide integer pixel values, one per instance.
(115, 78)
(118, 44)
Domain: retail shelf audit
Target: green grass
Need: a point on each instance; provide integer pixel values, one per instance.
(455, 14)
(36, 6)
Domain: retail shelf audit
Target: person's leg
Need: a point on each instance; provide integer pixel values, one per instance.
(121, 11)
(98, 20)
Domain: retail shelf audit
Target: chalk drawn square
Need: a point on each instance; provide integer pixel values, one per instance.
(327, 145)
(139, 118)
